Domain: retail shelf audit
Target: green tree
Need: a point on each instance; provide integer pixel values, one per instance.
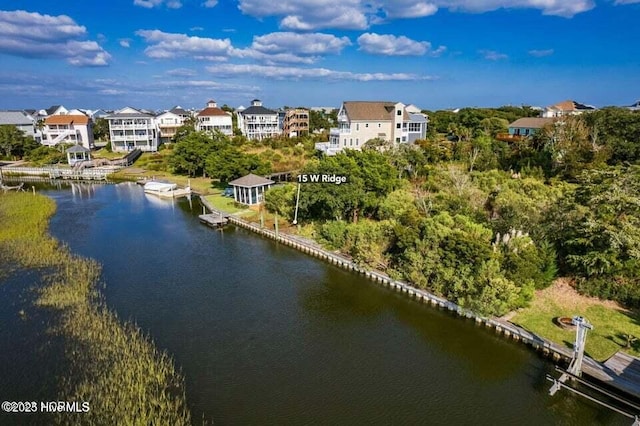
(190, 152)
(227, 163)
(14, 143)
(101, 129)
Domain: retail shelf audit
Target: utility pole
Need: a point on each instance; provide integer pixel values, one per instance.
(295, 215)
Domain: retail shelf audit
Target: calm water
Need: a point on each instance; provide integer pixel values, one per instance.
(268, 336)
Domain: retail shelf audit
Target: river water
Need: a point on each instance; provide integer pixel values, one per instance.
(265, 335)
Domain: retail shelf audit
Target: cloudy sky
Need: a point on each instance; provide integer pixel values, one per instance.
(433, 53)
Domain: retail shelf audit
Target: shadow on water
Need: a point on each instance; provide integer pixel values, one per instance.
(31, 356)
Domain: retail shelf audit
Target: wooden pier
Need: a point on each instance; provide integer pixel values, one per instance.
(213, 220)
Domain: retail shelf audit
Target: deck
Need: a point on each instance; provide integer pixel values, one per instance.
(213, 219)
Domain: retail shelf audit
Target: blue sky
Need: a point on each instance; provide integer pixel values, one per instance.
(433, 53)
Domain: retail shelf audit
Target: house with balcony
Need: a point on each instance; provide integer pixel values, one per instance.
(295, 122)
(76, 129)
(169, 122)
(565, 108)
(212, 119)
(257, 122)
(130, 129)
(22, 121)
(361, 121)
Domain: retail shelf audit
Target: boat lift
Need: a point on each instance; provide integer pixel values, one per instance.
(574, 373)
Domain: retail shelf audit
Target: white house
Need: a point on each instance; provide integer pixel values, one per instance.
(258, 122)
(76, 129)
(170, 121)
(53, 110)
(131, 129)
(213, 119)
(361, 121)
(565, 108)
(23, 121)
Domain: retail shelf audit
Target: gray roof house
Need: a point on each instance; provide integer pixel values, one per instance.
(250, 189)
(22, 121)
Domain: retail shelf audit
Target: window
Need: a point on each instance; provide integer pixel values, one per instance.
(357, 142)
(399, 112)
(397, 139)
(399, 125)
(357, 126)
(366, 125)
(351, 142)
(378, 125)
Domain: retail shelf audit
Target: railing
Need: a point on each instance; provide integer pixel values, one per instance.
(508, 137)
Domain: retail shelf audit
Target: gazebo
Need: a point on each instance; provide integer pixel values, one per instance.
(78, 154)
(250, 189)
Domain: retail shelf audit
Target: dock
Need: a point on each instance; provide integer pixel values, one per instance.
(213, 220)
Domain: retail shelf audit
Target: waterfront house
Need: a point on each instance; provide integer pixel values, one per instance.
(565, 108)
(130, 129)
(170, 121)
(21, 120)
(361, 121)
(296, 122)
(212, 119)
(250, 189)
(258, 122)
(78, 154)
(74, 129)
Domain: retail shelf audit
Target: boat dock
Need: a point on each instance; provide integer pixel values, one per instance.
(213, 220)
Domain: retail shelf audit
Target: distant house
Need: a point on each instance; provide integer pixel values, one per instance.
(258, 122)
(635, 106)
(566, 108)
(53, 110)
(527, 126)
(130, 129)
(169, 122)
(23, 121)
(250, 189)
(361, 121)
(212, 119)
(74, 129)
(296, 122)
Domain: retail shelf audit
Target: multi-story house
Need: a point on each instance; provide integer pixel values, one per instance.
(131, 129)
(565, 108)
(76, 129)
(169, 122)
(212, 119)
(258, 122)
(296, 122)
(361, 121)
(23, 121)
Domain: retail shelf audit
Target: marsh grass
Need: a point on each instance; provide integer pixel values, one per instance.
(112, 365)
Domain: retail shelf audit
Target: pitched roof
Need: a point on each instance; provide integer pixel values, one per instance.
(52, 109)
(67, 119)
(531, 122)
(258, 110)
(78, 148)
(129, 112)
(372, 110)
(570, 105)
(251, 180)
(15, 118)
(211, 111)
(178, 110)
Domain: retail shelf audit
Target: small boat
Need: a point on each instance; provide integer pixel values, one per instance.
(166, 189)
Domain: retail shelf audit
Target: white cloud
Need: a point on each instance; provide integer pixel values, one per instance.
(181, 72)
(565, 8)
(539, 53)
(492, 55)
(305, 44)
(390, 45)
(293, 73)
(210, 3)
(33, 35)
(149, 4)
(125, 42)
(623, 2)
(169, 46)
(308, 15)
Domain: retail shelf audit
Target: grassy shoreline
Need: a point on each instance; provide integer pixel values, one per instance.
(113, 366)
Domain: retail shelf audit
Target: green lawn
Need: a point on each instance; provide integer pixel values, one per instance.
(225, 204)
(611, 324)
(103, 153)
